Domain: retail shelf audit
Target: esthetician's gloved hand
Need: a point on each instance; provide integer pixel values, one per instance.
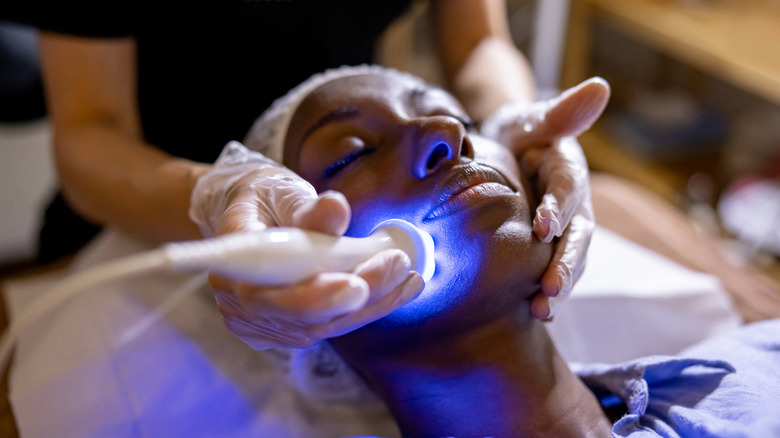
(246, 191)
(543, 137)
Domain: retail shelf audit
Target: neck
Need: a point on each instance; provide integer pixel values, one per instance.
(503, 379)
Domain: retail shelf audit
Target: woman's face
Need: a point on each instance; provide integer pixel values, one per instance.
(397, 149)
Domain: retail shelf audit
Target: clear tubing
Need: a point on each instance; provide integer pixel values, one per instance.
(77, 284)
(275, 256)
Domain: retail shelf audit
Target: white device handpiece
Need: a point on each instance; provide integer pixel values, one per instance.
(275, 256)
(278, 256)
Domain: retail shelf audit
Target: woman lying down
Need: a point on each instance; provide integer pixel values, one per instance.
(466, 358)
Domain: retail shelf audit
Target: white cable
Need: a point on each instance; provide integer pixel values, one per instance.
(275, 256)
(143, 324)
(78, 283)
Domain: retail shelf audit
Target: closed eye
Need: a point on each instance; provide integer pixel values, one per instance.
(468, 124)
(336, 167)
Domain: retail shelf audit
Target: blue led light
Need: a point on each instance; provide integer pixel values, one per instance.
(422, 250)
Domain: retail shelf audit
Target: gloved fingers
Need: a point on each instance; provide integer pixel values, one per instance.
(282, 194)
(263, 331)
(555, 211)
(286, 199)
(251, 203)
(568, 262)
(269, 333)
(259, 332)
(329, 213)
(245, 189)
(233, 171)
(228, 304)
(330, 304)
(314, 300)
(390, 283)
(330, 294)
(563, 176)
(409, 289)
(384, 272)
(241, 215)
(541, 307)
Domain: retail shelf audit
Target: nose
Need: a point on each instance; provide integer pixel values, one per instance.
(442, 140)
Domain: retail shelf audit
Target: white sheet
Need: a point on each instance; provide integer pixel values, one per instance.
(632, 302)
(80, 374)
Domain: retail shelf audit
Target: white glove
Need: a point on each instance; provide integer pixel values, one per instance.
(542, 135)
(246, 191)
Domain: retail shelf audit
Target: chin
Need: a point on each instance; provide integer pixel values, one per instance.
(490, 271)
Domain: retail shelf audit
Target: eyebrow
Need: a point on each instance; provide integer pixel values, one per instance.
(341, 113)
(416, 96)
(420, 91)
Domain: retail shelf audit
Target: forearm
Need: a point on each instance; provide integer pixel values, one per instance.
(495, 73)
(480, 62)
(116, 180)
(107, 172)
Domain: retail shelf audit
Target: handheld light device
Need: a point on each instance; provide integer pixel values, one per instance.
(278, 256)
(274, 256)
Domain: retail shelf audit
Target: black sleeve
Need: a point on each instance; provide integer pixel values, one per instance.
(87, 18)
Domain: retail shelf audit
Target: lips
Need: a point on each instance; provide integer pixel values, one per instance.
(468, 186)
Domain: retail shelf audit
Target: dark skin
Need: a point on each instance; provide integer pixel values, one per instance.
(466, 358)
(112, 175)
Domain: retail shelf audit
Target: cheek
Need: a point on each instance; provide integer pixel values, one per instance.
(487, 267)
(366, 215)
(482, 262)
(497, 156)
(374, 199)
(361, 194)
(518, 257)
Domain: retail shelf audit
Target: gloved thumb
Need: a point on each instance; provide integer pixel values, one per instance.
(577, 109)
(521, 125)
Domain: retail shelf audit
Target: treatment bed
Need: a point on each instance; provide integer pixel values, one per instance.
(128, 362)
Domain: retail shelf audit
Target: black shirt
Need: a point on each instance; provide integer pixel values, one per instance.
(207, 69)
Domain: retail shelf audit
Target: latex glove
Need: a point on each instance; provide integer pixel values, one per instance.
(542, 136)
(246, 191)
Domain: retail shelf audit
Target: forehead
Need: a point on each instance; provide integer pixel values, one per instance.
(394, 90)
(368, 95)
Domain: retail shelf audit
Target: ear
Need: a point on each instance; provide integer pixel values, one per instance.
(577, 109)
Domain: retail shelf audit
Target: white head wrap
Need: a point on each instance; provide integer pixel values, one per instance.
(268, 132)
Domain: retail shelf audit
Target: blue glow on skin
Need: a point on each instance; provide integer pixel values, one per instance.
(406, 176)
(434, 357)
(458, 260)
(481, 383)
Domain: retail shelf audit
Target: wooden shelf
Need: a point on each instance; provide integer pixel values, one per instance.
(735, 40)
(605, 155)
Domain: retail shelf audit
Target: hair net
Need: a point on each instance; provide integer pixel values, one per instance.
(317, 372)
(268, 132)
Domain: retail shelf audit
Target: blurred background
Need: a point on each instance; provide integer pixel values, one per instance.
(27, 176)
(694, 118)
